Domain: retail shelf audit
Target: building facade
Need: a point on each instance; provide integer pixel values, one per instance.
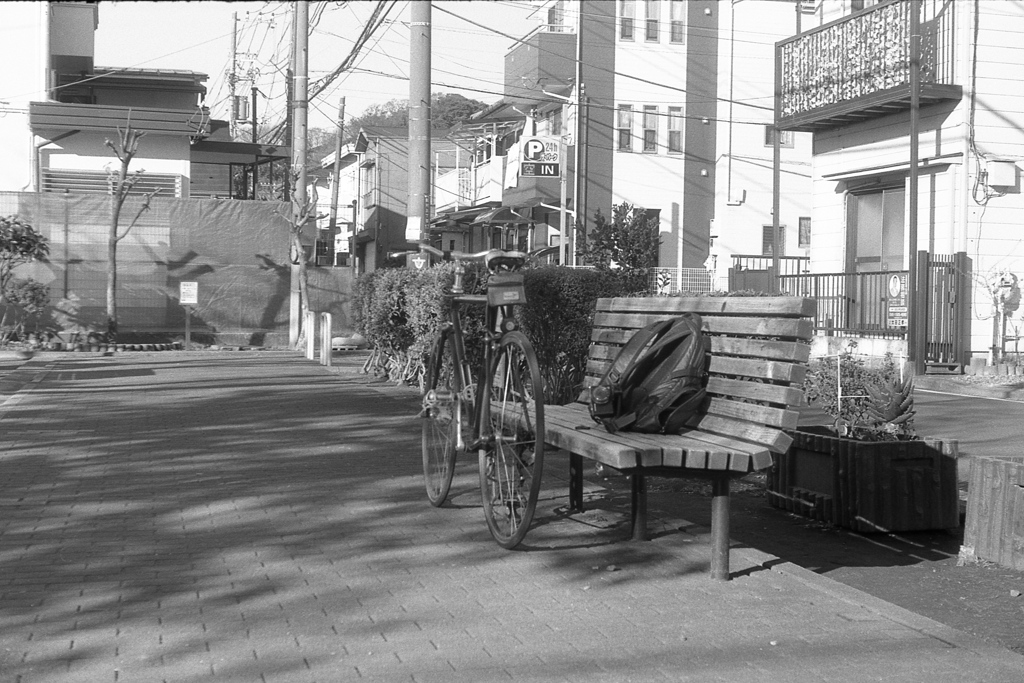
(848, 78)
(677, 105)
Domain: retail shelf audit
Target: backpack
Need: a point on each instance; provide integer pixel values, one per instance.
(656, 382)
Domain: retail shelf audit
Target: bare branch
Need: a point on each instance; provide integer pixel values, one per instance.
(142, 209)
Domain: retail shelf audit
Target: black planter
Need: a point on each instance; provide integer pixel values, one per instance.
(868, 486)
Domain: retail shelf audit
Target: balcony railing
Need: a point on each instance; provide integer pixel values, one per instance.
(859, 67)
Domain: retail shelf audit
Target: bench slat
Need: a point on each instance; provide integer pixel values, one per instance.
(777, 371)
(721, 386)
(692, 449)
(792, 328)
(753, 412)
(798, 352)
(775, 306)
(775, 439)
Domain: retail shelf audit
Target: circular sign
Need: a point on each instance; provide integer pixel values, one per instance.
(895, 286)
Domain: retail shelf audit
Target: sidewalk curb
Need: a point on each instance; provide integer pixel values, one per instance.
(887, 610)
(951, 386)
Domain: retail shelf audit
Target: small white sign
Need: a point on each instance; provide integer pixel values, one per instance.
(188, 293)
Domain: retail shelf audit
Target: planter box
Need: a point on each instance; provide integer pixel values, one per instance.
(868, 487)
(994, 528)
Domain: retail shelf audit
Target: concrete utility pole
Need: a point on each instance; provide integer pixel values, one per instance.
(419, 121)
(233, 76)
(337, 171)
(917, 313)
(299, 193)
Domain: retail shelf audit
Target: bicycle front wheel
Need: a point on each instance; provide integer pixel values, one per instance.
(443, 415)
(511, 464)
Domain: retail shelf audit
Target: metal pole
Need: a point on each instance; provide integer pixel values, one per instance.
(337, 169)
(232, 78)
(256, 165)
(915, 331)
(300, 109)
(419, 121)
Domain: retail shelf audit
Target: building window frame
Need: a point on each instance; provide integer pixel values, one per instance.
(677, 22)
(627, 19)
(787, 138)
(804, 236)
(650, 123)
(624, 128)
(652, 20)
(766, 240)
(675, 130)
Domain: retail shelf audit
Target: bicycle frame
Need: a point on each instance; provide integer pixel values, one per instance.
(482, 431)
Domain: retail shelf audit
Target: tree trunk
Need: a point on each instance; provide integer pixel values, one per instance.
(303, 286)
(112, 272)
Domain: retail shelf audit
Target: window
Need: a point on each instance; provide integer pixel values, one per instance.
(677, 20)
(786, 138)
(627, 11)
(805, 232)
(766, 240)
(875, 230)
(624, 126)
(675, 130)
(556, 16)
(653, 16)
(650, 128)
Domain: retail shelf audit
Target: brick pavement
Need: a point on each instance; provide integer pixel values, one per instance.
(253, 517)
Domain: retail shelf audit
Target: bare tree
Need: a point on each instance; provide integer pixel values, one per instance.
(304, 210)
(125, 148)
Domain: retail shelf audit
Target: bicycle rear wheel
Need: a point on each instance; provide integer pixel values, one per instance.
(511, 466)
(444, 415)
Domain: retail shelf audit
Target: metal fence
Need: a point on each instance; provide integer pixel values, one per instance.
(848, 303)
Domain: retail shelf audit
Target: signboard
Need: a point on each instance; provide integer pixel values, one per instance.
(417, 261)
(188, 293)
(896, 303)
(541, 157)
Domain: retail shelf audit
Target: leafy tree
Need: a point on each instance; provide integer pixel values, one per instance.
(446, 110)
(125, 148)
(29, 298)
(628, 243)
(19, 244)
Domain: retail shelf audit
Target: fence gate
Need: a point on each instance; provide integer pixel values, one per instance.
(947, 288)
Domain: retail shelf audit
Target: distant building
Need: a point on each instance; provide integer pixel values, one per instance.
(676, 119)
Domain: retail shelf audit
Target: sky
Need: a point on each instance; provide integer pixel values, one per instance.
(196, 36)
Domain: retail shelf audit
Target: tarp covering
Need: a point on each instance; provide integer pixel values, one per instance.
(237, 252)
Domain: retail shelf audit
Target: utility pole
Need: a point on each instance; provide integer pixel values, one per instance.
(579, 210)
(233, 76)
(337, 171)
(917, 313)
(255, 166)
(299, 191)
(419, 121)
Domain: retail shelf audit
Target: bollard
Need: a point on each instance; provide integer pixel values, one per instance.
(310, 331)
(325, 338)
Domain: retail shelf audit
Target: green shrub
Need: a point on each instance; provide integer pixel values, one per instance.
(874, 405)
(26, 301)
(400, 311)
(558, 317)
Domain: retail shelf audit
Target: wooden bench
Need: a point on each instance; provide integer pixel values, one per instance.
(759, 352)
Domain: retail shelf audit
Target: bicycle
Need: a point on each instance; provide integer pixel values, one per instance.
(501, 414)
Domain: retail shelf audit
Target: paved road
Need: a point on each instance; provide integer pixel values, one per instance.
(254, 517)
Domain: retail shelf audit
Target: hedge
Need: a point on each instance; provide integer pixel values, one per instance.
(400, 311)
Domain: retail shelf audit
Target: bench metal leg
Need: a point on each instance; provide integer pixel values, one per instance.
(720, 528)
(575, 482)
(638, 506)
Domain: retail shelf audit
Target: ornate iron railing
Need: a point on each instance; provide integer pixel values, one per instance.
(863, 54)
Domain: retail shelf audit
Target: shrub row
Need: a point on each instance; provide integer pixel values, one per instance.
(400, 311)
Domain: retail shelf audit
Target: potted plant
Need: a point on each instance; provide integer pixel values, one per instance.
(866, 470)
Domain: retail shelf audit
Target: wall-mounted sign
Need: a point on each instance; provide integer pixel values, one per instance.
(540, 157)
(188, 293)
(896, 303)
